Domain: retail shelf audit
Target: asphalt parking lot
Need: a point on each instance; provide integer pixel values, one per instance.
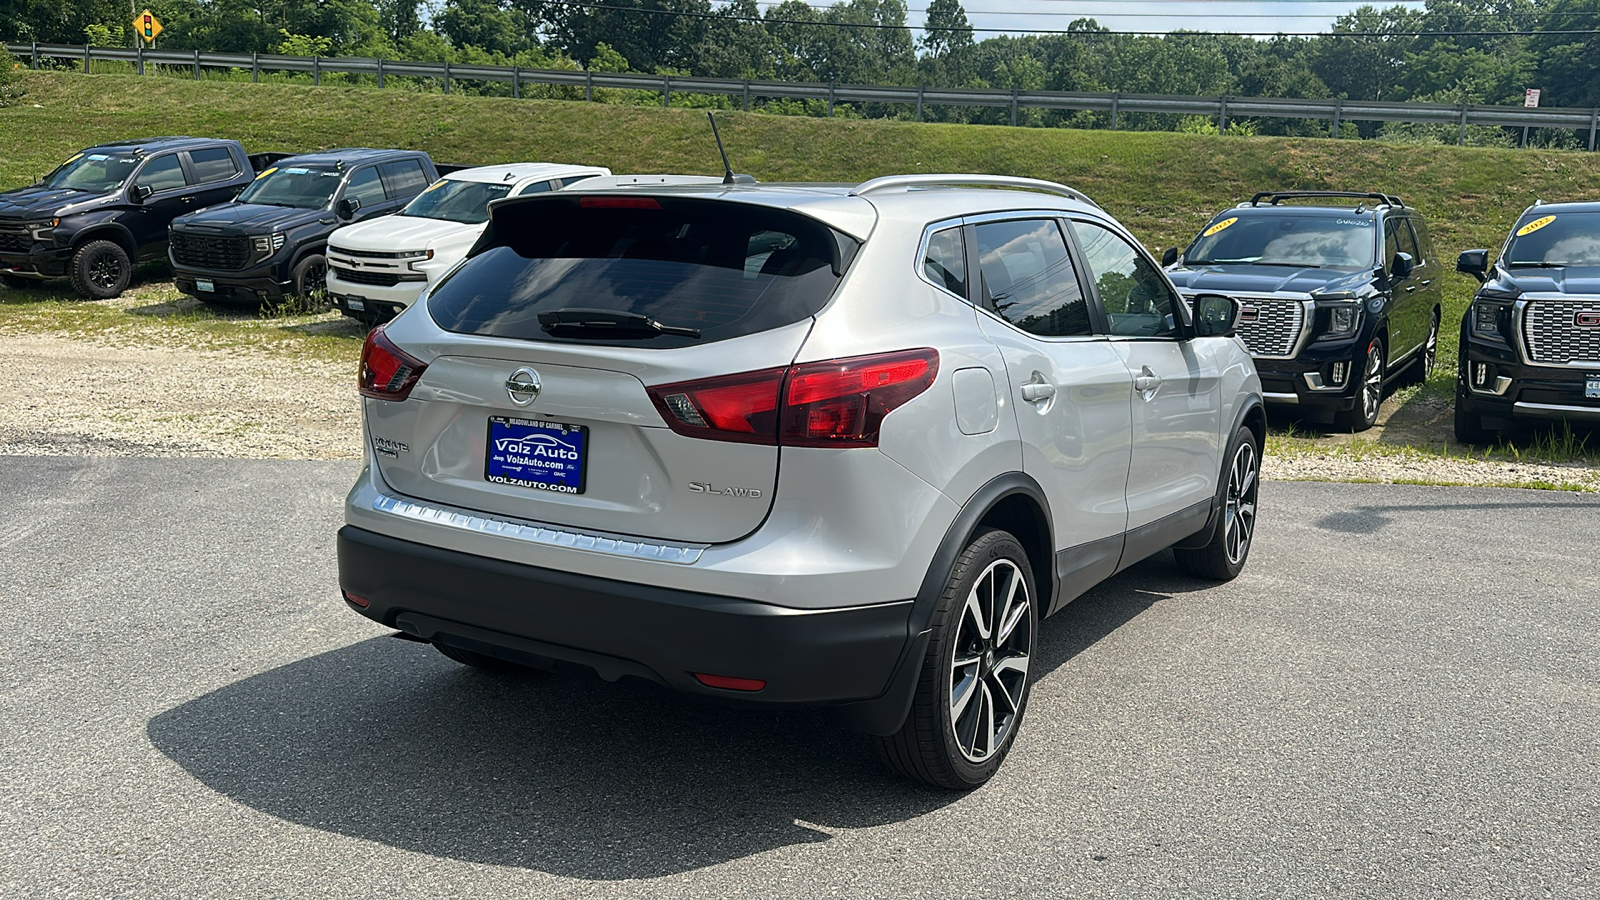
(1399, 698)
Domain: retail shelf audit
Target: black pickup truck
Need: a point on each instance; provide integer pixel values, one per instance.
(106, 209)
(270, 242)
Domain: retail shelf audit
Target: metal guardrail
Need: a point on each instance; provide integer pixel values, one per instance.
(1221, 109)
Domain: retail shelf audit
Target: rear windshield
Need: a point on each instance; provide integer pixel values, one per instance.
(1314, 241)
(723, 269)
(456, 201)
(1562, 239)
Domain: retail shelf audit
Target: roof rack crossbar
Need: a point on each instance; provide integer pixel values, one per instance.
(894, 182)
(1275, 196)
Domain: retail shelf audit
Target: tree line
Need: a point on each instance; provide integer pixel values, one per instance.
(1451, 51)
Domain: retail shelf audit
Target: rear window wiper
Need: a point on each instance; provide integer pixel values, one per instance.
(581, 322)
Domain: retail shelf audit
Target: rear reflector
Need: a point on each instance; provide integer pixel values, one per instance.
(354, 600)
(618, 203)
(730, 684)
(837, 403)
(387, 372)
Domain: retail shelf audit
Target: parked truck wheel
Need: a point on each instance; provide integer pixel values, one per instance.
(100, 270)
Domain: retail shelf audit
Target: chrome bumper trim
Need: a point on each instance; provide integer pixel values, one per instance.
(1291, 399)
(533, 533)
(1556, 410)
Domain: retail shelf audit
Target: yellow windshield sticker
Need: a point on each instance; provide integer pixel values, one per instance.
(75, 158)
(1218, 227)
(266, 173)
(436, 185)
(1535, 225)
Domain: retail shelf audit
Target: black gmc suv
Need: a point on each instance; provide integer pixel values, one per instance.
(1338, 298)
(107, 208)
(269, 243)
(1530, 341)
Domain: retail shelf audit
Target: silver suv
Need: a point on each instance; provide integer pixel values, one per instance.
(797, 445)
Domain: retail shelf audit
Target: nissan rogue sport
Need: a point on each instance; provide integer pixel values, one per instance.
(798, 445)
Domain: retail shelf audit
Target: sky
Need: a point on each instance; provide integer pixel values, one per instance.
(1154, 15)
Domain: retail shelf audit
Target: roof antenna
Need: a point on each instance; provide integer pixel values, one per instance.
(727, 170)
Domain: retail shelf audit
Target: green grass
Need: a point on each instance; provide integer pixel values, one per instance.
(1164, 186)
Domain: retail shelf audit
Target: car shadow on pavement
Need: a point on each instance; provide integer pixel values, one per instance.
(385, 740)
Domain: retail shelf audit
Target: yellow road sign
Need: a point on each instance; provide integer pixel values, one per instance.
(147, 26)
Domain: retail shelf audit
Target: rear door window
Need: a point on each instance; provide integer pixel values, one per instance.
(212, 164)
(404, 179)
(722, 269)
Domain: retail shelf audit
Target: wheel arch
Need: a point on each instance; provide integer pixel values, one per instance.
(109, 231)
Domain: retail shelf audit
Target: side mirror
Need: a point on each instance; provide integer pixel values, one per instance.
(1402, 265)
(1215, 315)
(347, 208)
(141, 192)
(1474, 263)
(1169, 256)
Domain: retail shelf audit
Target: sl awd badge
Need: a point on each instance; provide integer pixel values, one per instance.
(523, 386)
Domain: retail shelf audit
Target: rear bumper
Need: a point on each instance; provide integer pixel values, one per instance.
(842, 658)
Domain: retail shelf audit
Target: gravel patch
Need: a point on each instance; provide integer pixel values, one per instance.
(83, 397)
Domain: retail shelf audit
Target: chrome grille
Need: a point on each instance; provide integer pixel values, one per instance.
(1276, 328)
(210, 252)
(1551, 330)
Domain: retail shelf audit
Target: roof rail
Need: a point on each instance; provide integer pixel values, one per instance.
(893, 182)
(1275, 196)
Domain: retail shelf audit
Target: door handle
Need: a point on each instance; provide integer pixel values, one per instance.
(188, 199)
(1146, 381)
(1038, 390)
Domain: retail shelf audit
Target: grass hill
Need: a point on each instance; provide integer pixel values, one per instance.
(1162, 185)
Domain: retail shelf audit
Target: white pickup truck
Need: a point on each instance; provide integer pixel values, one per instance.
(379, 267)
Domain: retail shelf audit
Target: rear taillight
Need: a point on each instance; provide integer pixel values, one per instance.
(387, 372)
(740, 407)
(842, 402)
(837, 403)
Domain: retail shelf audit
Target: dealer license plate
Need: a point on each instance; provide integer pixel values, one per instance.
(547, 456)
(1591, 385)
(359, 304)
(202, 285)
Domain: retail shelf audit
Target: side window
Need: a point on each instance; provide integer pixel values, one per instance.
(945, 261)
(1137, 300)
(534, 187)
(163, 173)
(1408, 241)
(215, 164)
(404, 179)
(365, 187)
(1028, 278)
(572, 179)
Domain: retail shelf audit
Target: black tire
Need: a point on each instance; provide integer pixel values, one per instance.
(100, 270)
(17, 282)
(1428, 356)
(955, 738)
(1369, 395)
(482, 660)
(1224, 557)
(1469, 427)
(310, 279)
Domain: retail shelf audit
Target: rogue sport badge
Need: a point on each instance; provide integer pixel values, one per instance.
(523, 386)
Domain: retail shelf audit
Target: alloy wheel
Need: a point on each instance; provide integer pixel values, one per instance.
(989, 661)
(1372, 383)
(105, 271)
(1239, 517)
